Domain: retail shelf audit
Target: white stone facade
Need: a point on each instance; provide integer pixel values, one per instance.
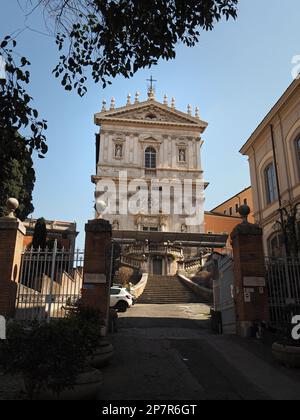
(151, 141)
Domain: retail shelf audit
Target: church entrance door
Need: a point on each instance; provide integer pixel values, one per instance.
(157, 267)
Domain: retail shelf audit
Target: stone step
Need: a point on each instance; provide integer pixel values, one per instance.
(167, 290)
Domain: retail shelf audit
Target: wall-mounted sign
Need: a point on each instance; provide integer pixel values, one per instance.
(95, 278)
(247, 297)
(254, 282)
(88, 286)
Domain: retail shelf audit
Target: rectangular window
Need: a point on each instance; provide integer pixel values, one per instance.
(150, 158)
(236, 208)
(150, 229)
(230, 211)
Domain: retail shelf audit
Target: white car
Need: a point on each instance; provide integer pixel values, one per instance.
(120, 299)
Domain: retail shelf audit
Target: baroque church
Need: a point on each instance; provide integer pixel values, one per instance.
(151, 142)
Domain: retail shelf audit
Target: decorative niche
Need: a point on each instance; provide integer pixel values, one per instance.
(118, 149)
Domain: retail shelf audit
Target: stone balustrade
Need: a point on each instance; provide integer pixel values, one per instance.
(131, 262)
(191, 266)
(148, 249)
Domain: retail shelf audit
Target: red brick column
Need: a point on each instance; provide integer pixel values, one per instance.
(12, 233)
(251, 295)
(97, 265)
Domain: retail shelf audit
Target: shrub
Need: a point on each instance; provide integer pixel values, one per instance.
(48, 355)
(127, 275)
(89, 323)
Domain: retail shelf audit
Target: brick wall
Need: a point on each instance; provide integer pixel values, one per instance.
(11, 245)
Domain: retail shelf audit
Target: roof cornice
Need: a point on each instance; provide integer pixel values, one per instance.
(113, 115)
(272, 113)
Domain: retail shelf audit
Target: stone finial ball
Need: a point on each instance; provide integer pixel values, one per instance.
(12, 204)
(101, 206)
(244, 210)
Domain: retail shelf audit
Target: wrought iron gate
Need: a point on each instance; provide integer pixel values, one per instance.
(283, 279)
(223, 295)
(50, 282)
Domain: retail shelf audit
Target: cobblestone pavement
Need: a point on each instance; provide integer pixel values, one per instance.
(168, 352)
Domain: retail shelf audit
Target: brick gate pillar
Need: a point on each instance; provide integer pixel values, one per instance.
(97, 267)
(251, 297)
(12, 233)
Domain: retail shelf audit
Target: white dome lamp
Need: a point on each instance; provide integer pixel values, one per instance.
(101, 206)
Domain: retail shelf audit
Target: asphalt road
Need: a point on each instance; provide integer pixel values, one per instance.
(167, 352)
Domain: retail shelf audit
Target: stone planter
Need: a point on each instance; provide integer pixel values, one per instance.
(103, 355)
(87, 387)
(287, 355)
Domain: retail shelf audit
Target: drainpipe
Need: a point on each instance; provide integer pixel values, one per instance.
(258, 187)
(290, 299)
(288, 175)
(279, 192)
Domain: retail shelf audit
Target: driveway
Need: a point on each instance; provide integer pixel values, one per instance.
(167, 352)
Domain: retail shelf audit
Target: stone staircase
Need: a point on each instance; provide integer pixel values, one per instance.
(167, 290)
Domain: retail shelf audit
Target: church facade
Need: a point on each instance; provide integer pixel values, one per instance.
(151, 152)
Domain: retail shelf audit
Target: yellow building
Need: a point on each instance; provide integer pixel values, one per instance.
(225, 217)
(274, 157)
(231, 206)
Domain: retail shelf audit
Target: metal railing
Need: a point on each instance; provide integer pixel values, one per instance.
(283, 281)
(50, 282)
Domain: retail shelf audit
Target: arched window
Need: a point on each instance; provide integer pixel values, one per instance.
(150, 158)
(271, 186)
(276, 245)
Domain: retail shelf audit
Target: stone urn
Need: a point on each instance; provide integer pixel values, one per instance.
(288, 356)
(103, 355)
(88, 385)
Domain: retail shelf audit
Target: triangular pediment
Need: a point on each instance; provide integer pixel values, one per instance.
(151, 112)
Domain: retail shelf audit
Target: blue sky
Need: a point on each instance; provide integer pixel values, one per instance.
(234, 75)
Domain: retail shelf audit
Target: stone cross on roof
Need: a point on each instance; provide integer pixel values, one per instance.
(151, 88)
(151, 80)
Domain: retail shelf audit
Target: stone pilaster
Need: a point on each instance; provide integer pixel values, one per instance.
(251, 295)
(97, 266)
(12, 233)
